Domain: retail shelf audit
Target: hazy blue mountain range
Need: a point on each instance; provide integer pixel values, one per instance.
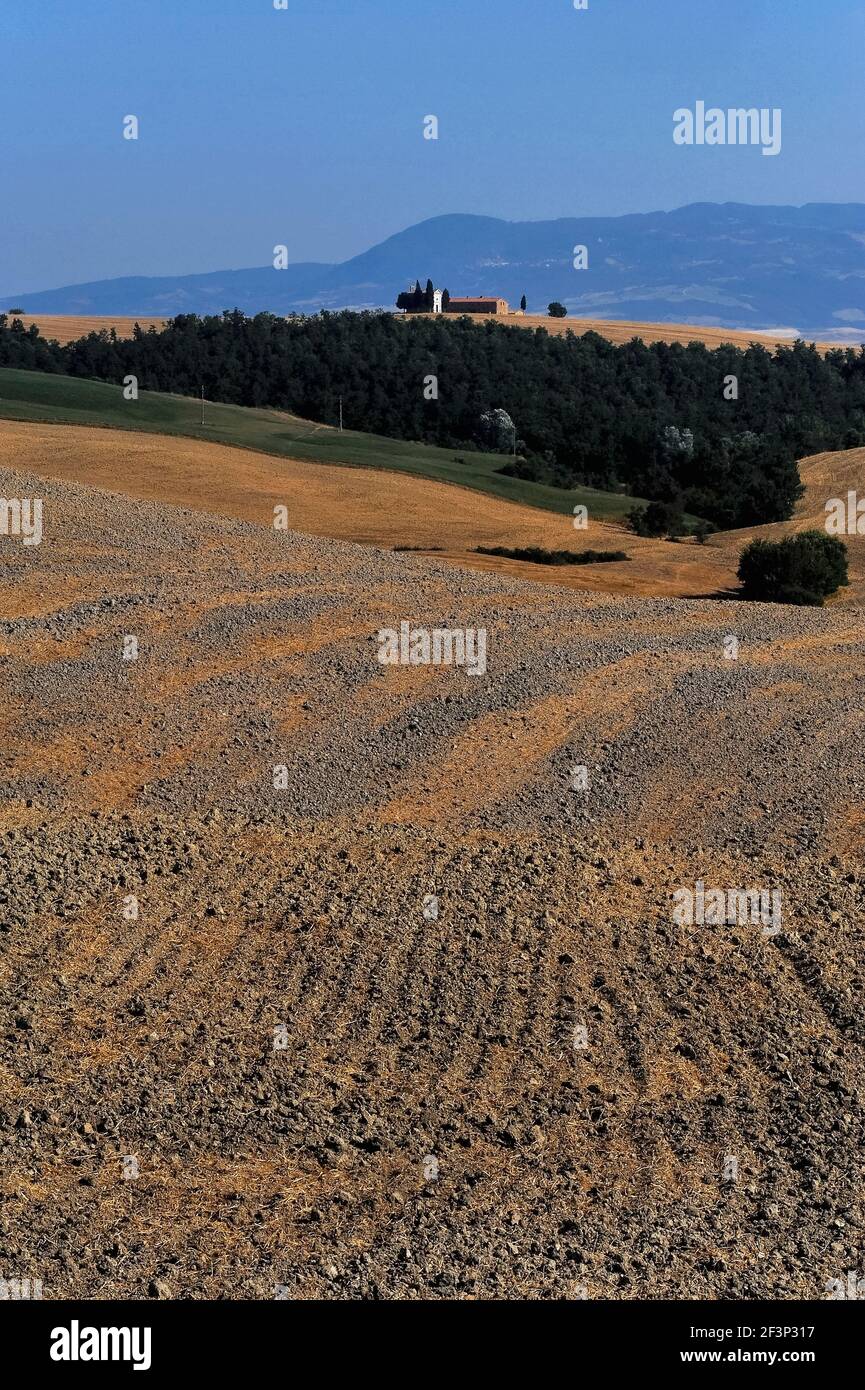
(728, 264)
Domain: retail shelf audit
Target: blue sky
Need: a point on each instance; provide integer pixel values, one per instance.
(304, 126)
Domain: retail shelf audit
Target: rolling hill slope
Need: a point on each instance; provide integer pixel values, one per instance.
(39, 396)
(373, 506)
(244, 462)
(327, 1088)
(367, 505)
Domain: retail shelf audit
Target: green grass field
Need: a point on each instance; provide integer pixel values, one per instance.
(40, 396)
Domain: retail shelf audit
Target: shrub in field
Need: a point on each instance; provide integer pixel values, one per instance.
(802, 569)
(538, 556)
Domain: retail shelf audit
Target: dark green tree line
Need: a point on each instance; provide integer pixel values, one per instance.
(651, 420)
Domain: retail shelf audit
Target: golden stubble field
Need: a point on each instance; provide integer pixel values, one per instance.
(65, 328)
(389, 509)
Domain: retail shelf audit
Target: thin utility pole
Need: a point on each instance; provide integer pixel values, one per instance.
(340, 414)
(202, 405)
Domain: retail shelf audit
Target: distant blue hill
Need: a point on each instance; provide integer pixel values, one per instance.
(731, 265)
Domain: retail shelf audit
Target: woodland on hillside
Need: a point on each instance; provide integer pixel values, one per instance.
(656, 421)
